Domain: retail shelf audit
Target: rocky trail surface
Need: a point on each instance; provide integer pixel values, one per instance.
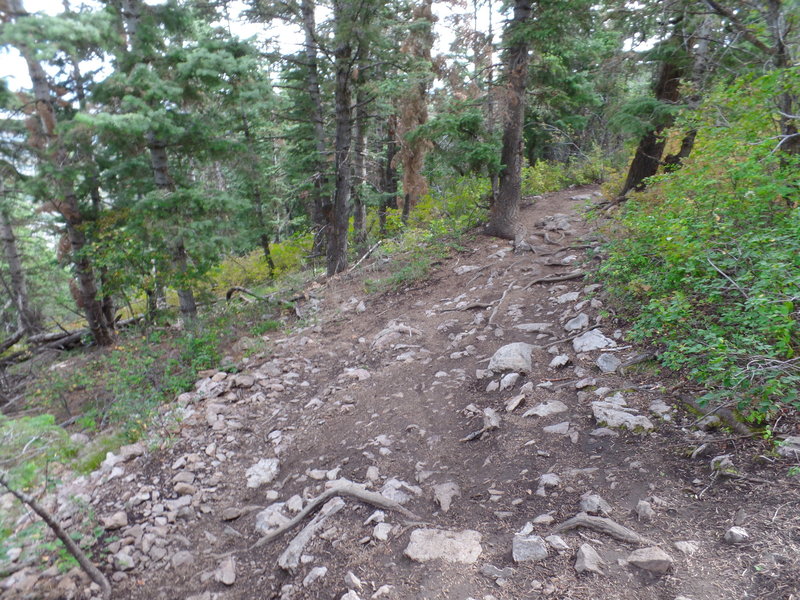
(484, 434)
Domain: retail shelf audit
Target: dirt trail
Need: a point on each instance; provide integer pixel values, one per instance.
(383, 394)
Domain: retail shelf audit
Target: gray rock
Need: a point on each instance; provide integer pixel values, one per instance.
(651, 559)
(686, 547)
(594, 504)
(577, 323)
(270, 518)
(264, 471)
(592, 340)
(527, 547)
(568, 297)
(352, 581)
(226, 571)
(589, 560)
(559, 360)
(645, 511)
(535, 327)
(789, 447)
(116, 521)
(660, 408)
(444, 493)
(182, 558)
(496, 572)
(558, 429)
(557, 543)
(123, 561)
(546, 409)
(350, 595)
(185, 489)
(451, 546)
(381, 531)
(508, 381)
(512, 357)
(608, 363)
(736, 535)
(313, 575)
(614, 412)
(547, 480)
(291, 557)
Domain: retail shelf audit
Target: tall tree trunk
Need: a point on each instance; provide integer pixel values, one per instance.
(648, 154)
(337, 213)
(787, 119)
(29, 320)
(320, 174)
(505, 210)
(68, 206)
(360, 164)
(389, 172)
(159, 161)
(414, 108)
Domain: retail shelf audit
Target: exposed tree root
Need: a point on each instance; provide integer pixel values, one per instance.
(603, 525)
(555, 278)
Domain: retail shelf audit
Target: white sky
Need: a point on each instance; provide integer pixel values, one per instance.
(289, 39)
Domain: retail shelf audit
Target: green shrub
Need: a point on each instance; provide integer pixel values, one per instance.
(709, 258)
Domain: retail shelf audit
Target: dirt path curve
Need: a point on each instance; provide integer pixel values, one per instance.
(383, 394)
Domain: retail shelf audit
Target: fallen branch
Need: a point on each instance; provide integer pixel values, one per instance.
(366, 255)
(722, 412)
(500, 303)
(603, 525)
(73, 548)
(342, 487)
(469, 306)
(7, 343)
(555, 278)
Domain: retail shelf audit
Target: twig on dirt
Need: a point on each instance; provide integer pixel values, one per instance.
(366, 255)
(343, 487)
(477, 274)
(555, 278)
(500, 303)
(602, 525)
(469, 306)
(561, 341)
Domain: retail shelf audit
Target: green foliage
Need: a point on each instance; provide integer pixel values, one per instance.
(27, 444)
(711, 254)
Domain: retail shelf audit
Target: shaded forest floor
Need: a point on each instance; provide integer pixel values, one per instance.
(381, 390)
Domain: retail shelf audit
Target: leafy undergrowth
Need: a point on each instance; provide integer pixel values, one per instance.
(708, 259)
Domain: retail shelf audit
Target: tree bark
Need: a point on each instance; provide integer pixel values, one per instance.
(68, 206)
(779, 29)
(389, 173)
(648, 154)
(505, 210)
(320, 175)
(360, 165)
(337, 212)
(29, 320)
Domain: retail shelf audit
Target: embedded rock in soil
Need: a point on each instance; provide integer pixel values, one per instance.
(264, 471)
(226, 572)
(451, 546)
(736, 535)
(644, 511)
(116, 521)
(444, 494)
(588, 559)
(608, 363)
(313, 575)
(651, 559)
(546, 409)
(789, 447)
(557, 543)
(512, 357)
(577, 323)
(535, 327)
(528, 548)
(594, 504)
(614, 412)
(592, 340)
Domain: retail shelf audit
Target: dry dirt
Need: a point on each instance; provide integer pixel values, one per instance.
(407, 418)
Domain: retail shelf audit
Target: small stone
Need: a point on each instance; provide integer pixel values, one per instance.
(451, 546)
(651, 559)
(351, 595)
(557, 543)
(608, 363)
(264, 471)
(645, 511)
(123, 561)
(559, 428)
(185, 489)
(736, 535)
(528, 548)
(381, 531)
(578, 323)
(116, 521)
(546, 409)
(512, 357)
(294, 504)
(592, 340)
(313, 575)
(508, 381)
(182, 558)
(352, 581)
(231, 513)
(497, 573)
(686, 547)
(544, 519)
(226, 572)
(444, 493)
(587, 559)
(559, 360)
(789, 447)
(594, 504)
